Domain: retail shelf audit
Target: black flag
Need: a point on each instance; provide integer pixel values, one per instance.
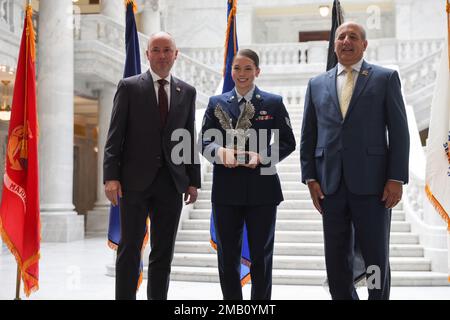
(336, 20)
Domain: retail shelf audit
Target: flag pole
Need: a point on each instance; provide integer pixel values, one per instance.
(19, 273)
(340, 17)
(448, 30)
(18, 283)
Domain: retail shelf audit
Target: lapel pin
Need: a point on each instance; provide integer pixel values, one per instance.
(231, 98)
(258, 96)
(365, 72)
(178, 89)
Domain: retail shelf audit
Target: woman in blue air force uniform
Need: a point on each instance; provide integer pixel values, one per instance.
(247, 192)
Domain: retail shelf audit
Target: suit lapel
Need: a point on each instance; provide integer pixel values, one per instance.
(149, 89)
(175, 96)
(363, 77)
(332, 89)
(149, 94)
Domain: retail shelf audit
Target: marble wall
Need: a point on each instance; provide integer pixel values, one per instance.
(196, 23)
(3, 144)
(202, 23)
(419, 19)
(286, 29)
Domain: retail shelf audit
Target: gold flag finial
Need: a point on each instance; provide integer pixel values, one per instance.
(230, 20)
(31, 41)
(127, 2)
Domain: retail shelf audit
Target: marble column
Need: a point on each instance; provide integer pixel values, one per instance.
(417, 19)
(17, 15)
(4, 126)
(114, 9)
(150, 17)
(98, 218)
(55, 73)
(245, 23)
(403, 19)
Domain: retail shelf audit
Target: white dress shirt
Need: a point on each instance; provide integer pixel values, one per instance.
(341, 75)
(248, 96)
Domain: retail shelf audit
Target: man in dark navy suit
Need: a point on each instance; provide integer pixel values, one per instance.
(354, 154)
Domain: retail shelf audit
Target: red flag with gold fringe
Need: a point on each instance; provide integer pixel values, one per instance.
(19, 209)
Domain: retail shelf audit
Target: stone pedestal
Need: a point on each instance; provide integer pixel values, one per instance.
(55, 74)
(434, 238)
(61, 227)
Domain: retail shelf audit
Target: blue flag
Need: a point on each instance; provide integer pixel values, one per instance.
(231, 48)
(132, 67)
(132, 58)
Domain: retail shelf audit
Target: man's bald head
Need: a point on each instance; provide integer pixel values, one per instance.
(362, 31)
(350, 43)
(161, 53)
(161, 35)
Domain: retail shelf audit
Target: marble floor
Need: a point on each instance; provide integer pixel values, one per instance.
(77, 270)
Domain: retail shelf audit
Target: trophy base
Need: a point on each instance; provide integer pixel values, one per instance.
(243, 158)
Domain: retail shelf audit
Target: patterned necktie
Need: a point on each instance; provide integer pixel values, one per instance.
(347, 91)
(163, 102)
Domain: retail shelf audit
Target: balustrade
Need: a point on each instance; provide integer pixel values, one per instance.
(111, 34)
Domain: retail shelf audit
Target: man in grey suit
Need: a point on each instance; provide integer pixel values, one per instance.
(138, 170)
(354, 154)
